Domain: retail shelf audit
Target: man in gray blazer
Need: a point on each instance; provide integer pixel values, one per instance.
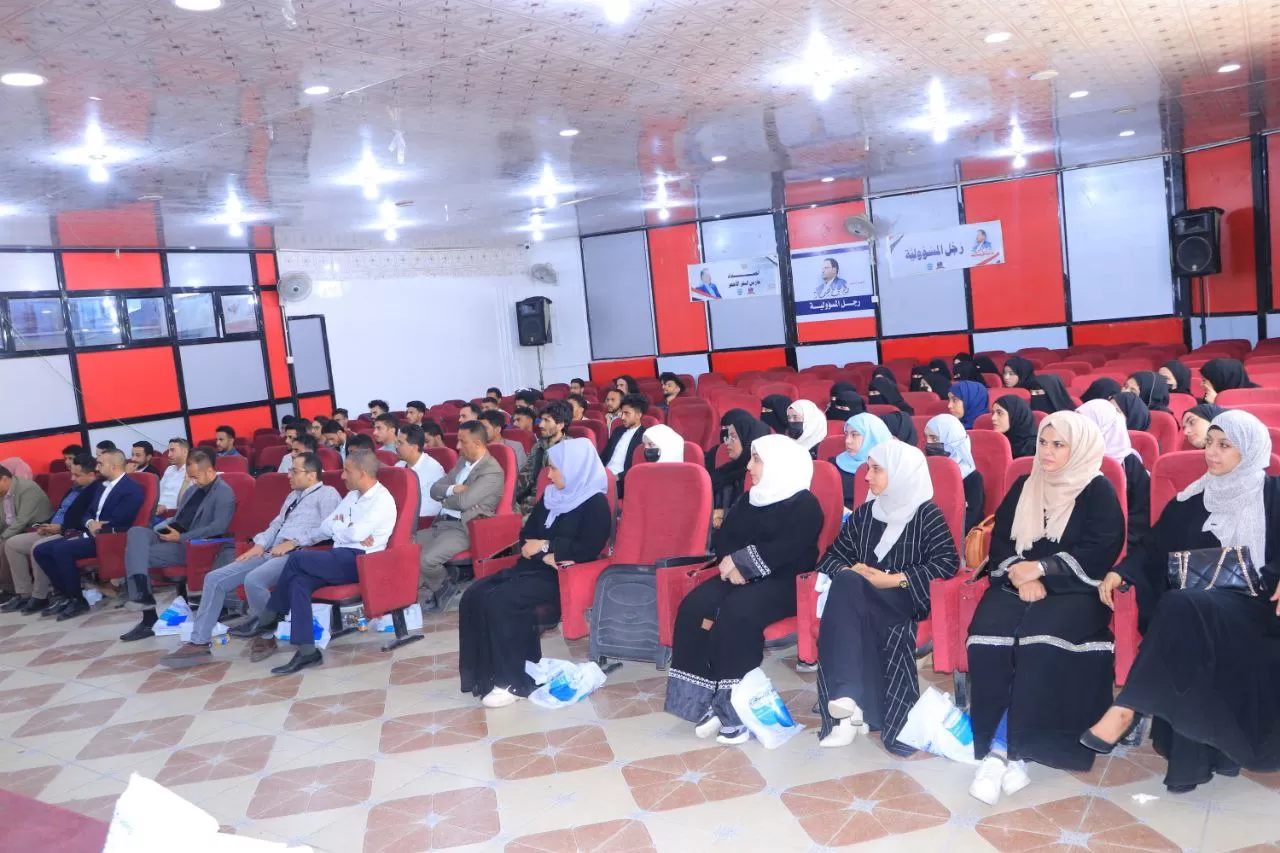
(205, 512)
(471, 490)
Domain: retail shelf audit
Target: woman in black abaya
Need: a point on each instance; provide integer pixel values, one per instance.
(773, 411)
(1136, 414)
(737, 430)
(1049, 395)
(1223, 374)
(1012, 418)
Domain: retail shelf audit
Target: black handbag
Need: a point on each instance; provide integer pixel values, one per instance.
(1228, 569)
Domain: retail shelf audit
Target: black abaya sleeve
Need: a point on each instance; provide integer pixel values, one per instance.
(1002, 554)
(1082, 564)
(535, 526)
(1138, 495)
(792, 549)
(846, 550)
(580, 535)
(974, 495)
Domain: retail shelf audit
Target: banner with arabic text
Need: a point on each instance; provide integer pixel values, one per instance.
(959, 247)
(736, 279)
(833, 282)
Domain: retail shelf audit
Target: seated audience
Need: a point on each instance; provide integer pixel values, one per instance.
(411, 442)
(140, 459)
(30, 585)
(342, 417)
(494, 394)
(862, 432)
(845, 402)
(916, 381)
(773, 411)
(384, 432)
(108, 505)
(577, 386)
(225, 441)
(967, 401)
(1050, 395)
(1011, 417)
(69, 454)
(468, 412)
(612, 407)
(738, 429)
(525, 418)
(1196, 421)
(627, 385)
(1020, 373)
(488, 404)
(944, 435)
(1101, 389)
(1136, 414)
(1178, 375)
(1223, 374)
(618, 452)
(1208, 669)
(500, 617)
(315, 429)
(663, 444)
(378, 407)
(579, 405)
(884, 392)
(768, 537)
(1041, 656)
(286, 421)
(807, 425)
(553, 426)
(1151, 389)
(672, 387)
(359, 441)
(530, 397)
(1115, 437)
(361, 524)
(966, 371)
(25, 505)
(433, 434)
(901, 427)
(493, 425)
(334, 437)
(296, 525)
(205, 512)
(471, 490)
(107, 444)
(881, 565)
(939, 382)
(291, 431)
(174, 482)
(986, 365)
(415, 411)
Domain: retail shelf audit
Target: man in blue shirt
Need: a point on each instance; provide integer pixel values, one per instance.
(225, 437)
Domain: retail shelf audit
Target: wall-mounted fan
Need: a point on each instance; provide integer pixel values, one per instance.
(544, 274)
(295, 286)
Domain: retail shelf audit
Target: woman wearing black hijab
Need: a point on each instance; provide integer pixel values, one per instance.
(1178, 375)
(1011, 416)
(1151, 388)
(1101, 389)
(967, 371)
(901, 427)
(1019, 373)
(885, 392)
(627, 385)
(985, 364)
(962, 358)
(773, 411)
(1223, 374)
(1050, 395)
(939, 382)
(737, 430)
(885, 373)
(845, 402)
(1136, 414)
(917, 376)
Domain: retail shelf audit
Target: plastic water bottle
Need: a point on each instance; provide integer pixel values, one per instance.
(362, 624)
(221, 639)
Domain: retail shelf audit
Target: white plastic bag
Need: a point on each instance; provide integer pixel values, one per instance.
(171, 620)
(563, 682)
(321, 614)
(412, 620)
(822, 585)
(762, 710)
(936, 725)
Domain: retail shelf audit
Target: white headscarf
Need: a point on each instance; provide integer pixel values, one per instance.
(1237, 515)
(1049, 498)
(788, 469)
(1112, 425)
(584, 477)
(669, 443)
(909, 486)
(955, 439)
(815, 423)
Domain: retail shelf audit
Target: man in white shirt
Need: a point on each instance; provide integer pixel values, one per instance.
(361, 524)
(384, 432)
(291, 432)
(409, 445)
(620, 450)
(175, 480)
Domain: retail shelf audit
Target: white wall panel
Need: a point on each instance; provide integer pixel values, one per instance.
(1012, 340)
(619, 295)
(694, 365)
(849, 352)
(1273, 325)
(28, 271)
(49, 401)
(223, 374)
(1117, 224)
(919, 304)
(283, 409)
(1225, 328)
(26, 229)
(310, 364)
(156, 432)
(209, 269)
(752, 322)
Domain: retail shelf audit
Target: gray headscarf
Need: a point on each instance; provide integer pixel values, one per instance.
(1237, 515)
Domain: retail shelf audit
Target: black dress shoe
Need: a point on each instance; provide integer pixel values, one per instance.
(245, 631)
(1091, 741)
(299, 662)
(138, 632)
(15, 604)
(5, 597)
(75, 607)
(55, 608)
(34, 605)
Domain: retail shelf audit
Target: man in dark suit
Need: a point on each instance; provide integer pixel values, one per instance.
(108, 506)
(624, 440)
(140, 462)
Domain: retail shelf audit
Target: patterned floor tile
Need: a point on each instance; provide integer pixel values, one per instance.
(98, 808)
(1267, 780)
(690, 778)
(630, 698)
(70, 718)
(30, 642)
(864, 807)
(312, 789)
(1081, 823)
(433, 822)
(557, 751)
(426, 731)
(71, 653)
(1124, 766)
(336, 710)
(25, 698)
(29, 782)
(177, 679)
(144, 736)
(257, 691)
(224, 760)
(123, 664)
(424, 668)
(342, 653)
(9, 630)
(615, 836)
(435, 623)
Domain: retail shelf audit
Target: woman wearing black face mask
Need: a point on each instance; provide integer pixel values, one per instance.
(939, 382)
(737, 430)
(945, 436)
(807, 425)
(663, 444)
(885, 392)
(917, 377)
(773, 411)
(845, 402)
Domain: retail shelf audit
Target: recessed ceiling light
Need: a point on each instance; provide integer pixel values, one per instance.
(1079, 93)
(316, 90)
(1124, 111)
(198, 5)
(827, 180)
(1229, 67)
(1047, 74)
(150, 197)
(996, 38)
(569, 131)
(719, 158)
(21, 78)
(1126, 133)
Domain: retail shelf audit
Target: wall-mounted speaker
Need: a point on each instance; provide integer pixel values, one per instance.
(533, 321)
(1196, 244)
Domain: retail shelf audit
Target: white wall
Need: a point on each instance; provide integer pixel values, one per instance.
(433, 325)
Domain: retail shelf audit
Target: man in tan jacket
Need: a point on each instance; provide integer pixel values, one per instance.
(23, 504)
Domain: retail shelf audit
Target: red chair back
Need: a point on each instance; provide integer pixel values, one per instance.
(388, 458)
(1240, 398)
(1146, 445)
(270, 456)
(330, 459)
(524, 436)
(726, 400)
(667, 513)
(1268, 413)
(831, 447)
(817, 391)
(598, 428)
(948, 494)
(269, 493)
(881, 409)
(403, 485)
(1111, 469)
(556, 391)
(56, 488)
(242, 485)
(1172, 473)
(232, 464)
(446, 456)
(150, 496)
(507, 461)
(991, 456)
(827, 488)
(786, 389)
(334, 478)
(693, 453)
(577, 430)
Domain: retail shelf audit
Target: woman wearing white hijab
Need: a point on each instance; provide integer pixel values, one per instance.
(1041, 655)
(499, 616)
(769, 536)
(807, 424)
(1115, 435)
(944, 435)
(881, 565)
(663, 444)
(1208, 670)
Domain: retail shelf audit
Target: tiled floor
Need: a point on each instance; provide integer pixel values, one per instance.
(379, 752)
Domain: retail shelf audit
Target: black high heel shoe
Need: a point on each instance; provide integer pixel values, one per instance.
(1091, 741)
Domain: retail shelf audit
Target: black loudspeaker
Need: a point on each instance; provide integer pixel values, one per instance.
(1195, 242)
(533, 321)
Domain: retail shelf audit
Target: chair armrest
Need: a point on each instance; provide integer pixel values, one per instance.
(807, 620)
(201, 554)
(491, 536)
(674, 583)
(492, 565)
(690, 560)
(952, 603)
(109, 549)
(1124, 625)
(389, 579)
(577, 595)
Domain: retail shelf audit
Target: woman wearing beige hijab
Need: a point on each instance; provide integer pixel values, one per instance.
(1041, 654)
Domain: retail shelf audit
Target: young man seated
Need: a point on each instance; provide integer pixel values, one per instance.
(579, 404)
(174, 482)
(342, 417)
(524, 418)
(553, 428)
(335, 438)
(619, 453)
(415, 411)
(225, 441)
(433, 435)
(493, 425)
(140, 459)
(384, 432)
(410, 445)
(25, 504)
(378, 407)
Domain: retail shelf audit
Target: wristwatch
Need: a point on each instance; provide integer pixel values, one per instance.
(1043, 571)
(902, 584)
(546, 546)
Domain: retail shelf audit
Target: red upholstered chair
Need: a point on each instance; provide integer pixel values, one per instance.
(831, 447)
(817, 391)
(55, 485)
(556, 391)
(577, 430)
(726, 400)
(786, 389)
(648, 420)
(109, 561)
(269, 457)
(1146, 445)
(1017, 392)
(993, 381)
(925, 402)
(389, 458)
(881, 409)
(835, 428)
(694, 454)
(1075, 368)
(991, 456)
(189, 576)
(490, 536)
(243, 446)
(524, 436)
(446, 456)
(388, 580)
(695, 420)
(232, 464)
(1172, 473)
(1244, 398)
(334, 478)
(330, 459)
(57, 466)
(1166, 428)
(1268, 413)
(597, 427)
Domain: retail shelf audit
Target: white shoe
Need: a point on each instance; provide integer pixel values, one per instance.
(986, 782)
(802, 666)
(1015, 778)
(845, 708)
(844, 734)
(500, 697)
(732, 737)
(708, 727)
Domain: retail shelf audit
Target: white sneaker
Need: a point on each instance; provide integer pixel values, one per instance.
(1015, 778)
(734, 736)
(844, 734)
(986, 782)
(500, 697)
(708, 727)
(845, 708)
(802, 666)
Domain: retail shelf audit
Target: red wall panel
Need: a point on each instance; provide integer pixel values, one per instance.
(266, 263)
(127, 226)
(810, 228)
(1163, 330)
(604, 372)
(38, 452)
(128, 383)
(1223, 177)
(681, 324)
(273, 325)
(313, 407)
(111, 271)
(979, 168)
(243, 421)
(1027, 288)
(816, 192)
(738, 361)
(925, 347)
(1273, 196)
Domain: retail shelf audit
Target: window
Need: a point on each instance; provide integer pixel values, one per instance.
(95, 321)
(239, 314)
(37, 324)
(193, 316)
(147, 319)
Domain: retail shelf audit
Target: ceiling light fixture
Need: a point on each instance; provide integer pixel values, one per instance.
(615, 11)
(1079, 93)
(1126, 133)
(547, 188)
(198, 5)
(820, 69)
(21, 78)
(997, 38)
(938, 110)
(719, 158)
(233, 213)
(367, 171)
(389, 220)
(318, 89)
(827, 180)
(1229, 67)
(1017, 144)
(661, 199)
(1047, 74)
(569, 131)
